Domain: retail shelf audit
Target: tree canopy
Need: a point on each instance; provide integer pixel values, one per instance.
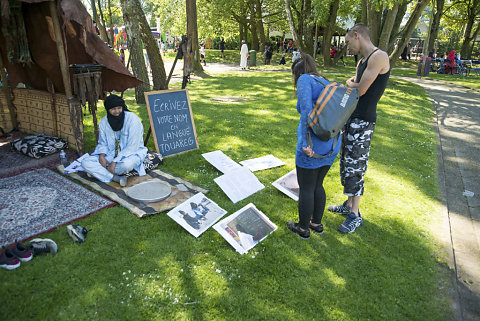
(455, 23)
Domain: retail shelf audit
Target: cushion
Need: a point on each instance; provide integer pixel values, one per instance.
(151, 161)
(38, 145)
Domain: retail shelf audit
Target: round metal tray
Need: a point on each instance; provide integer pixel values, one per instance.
(150, 191)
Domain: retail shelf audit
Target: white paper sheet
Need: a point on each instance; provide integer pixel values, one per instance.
(239, 183)
(197, 214)
(260, 163)
(221, 161)
(288, 184)
(76, 165)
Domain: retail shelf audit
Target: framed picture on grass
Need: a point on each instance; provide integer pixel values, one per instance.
(245, 228)
(288, 184)
(197, 214)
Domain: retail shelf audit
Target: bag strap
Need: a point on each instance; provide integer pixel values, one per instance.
(320, 97)
(309, 143)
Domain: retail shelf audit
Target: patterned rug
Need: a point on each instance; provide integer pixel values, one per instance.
(181, 191)
(38, 201)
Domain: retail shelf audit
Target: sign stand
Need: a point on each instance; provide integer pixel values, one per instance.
(171, 121)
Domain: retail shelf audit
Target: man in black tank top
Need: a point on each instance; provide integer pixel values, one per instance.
(373, 71)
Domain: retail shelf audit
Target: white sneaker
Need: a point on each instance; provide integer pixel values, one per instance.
(43, 246)
(77, 233)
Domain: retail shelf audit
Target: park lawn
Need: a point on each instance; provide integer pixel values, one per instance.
(152, 269)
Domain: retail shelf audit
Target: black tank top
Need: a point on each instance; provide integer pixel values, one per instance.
(367, 104)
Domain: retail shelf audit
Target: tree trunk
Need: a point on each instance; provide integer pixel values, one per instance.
(101, 24)
(470, 52)
(156, 62)
(327, 32)
(253, 31)
(408, 29)
(136, 50)
(260, 28)
(402, 8)
(436, 22)
(241, 33)
(291, 25)
(111, 35)
(308, 30)
(387, 27)
(192, 34)
(426, 48)
(469, 33)
(374, 22)
(364, 14)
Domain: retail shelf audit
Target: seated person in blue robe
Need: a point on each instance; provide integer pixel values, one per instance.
(120, 144)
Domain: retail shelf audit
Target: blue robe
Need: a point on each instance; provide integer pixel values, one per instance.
(132, 151)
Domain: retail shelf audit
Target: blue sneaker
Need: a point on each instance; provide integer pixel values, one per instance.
(340, 209)
(351, 223)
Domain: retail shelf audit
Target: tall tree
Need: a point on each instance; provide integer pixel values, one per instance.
(156, 62)
(374, 19)
(439, 4)
(259, 23)
(408, 29)
(192, 34)
(328, 32)
(308, 26)
(111, 40)
(253, 25)
(402, 9)
(293, 29)
(388, 24)
(101, 23)
(472, 9)
(136, 49)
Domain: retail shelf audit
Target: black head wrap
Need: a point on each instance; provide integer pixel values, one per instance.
(112, 101)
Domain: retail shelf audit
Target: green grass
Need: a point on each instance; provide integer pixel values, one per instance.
(409, 69)
(152, 269)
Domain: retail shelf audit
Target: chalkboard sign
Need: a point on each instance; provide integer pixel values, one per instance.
(171, 121)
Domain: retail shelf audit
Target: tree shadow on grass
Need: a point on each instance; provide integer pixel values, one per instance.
(379, 273)
(384, 271)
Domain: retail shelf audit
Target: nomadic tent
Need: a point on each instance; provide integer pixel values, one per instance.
(39, 40)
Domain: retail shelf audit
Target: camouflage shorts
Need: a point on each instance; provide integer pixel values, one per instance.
(356, 139)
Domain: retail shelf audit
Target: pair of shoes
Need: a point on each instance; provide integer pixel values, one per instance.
(43, 246)
(317, 229)
(10, 258)
(77, 233)
(22, 253)
(303, 234)
(351, 223)
(340, 209)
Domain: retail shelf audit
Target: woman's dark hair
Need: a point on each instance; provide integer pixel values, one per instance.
(303, 65)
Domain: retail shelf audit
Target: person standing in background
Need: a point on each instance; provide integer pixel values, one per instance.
(222, 48)
(243, 55)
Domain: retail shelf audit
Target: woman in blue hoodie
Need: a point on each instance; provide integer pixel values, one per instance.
(313, 156)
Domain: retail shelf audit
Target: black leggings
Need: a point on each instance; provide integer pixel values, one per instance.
(312, 198)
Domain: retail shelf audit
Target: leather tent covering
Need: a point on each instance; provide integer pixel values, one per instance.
(83, 46)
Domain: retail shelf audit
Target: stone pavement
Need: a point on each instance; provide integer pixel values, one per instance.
(458, 124)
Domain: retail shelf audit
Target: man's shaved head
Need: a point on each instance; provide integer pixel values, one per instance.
(361, 29)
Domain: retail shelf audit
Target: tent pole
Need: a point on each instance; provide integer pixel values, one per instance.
(6, 90)
(75, 114)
